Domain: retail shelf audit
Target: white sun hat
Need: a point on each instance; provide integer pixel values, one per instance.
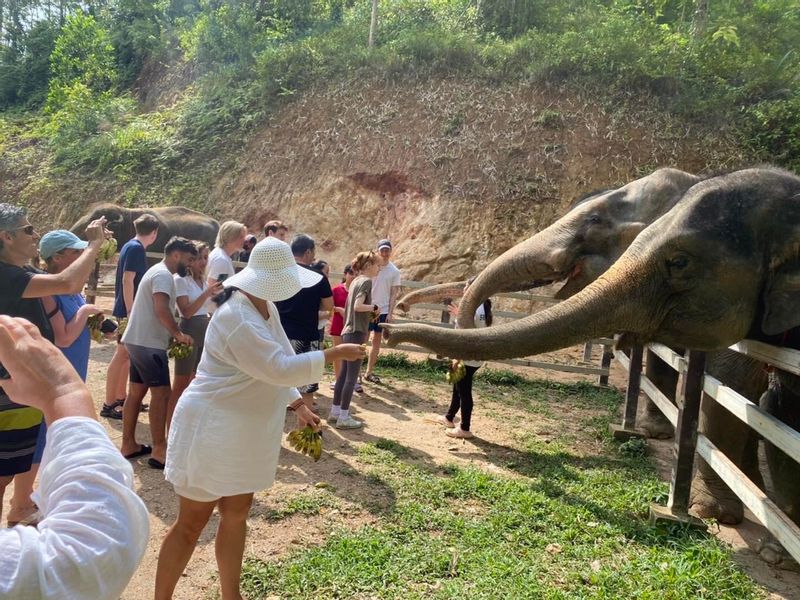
(271, 272)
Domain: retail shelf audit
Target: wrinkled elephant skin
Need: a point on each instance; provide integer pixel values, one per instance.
(173, 220)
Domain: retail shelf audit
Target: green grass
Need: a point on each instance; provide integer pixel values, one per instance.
(558, 525)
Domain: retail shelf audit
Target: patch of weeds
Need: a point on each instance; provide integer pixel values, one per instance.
(633, 447)
(500, 377)
(395, 448)
(454, 123)
(549, 118)
(304, 504)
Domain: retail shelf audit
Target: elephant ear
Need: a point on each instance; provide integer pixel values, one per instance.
(782, 299)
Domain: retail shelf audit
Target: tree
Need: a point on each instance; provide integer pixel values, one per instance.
(83, 55)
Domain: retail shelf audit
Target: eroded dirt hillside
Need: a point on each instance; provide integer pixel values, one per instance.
(453, 171)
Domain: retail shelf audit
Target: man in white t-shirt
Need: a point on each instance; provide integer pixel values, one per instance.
(151, 326)
(385, 290)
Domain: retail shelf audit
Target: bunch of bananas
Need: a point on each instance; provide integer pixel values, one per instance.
(307, 441)
(178, 350)
(456, 372)
(94, 322)
(107, 250)
(122, 323)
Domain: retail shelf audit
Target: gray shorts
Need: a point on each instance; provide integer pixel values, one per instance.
(301, 347)
(195, 327)
(149, 366)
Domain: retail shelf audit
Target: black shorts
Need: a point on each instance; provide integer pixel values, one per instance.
(301, 347)
(149, 366)
(377, 326)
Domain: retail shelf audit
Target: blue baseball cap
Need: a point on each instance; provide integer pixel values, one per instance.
(54, 242)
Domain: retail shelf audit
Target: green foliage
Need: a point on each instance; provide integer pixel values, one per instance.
(739, 67)
(83, 58)
(772, 131)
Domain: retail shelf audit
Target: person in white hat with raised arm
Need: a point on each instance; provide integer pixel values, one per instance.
(227, 427)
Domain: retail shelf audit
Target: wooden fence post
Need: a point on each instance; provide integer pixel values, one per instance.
(690, 391)
(445, 317)
(91, 287)
(628, 428)
(605, 363)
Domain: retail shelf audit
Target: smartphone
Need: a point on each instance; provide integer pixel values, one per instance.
(222, 277)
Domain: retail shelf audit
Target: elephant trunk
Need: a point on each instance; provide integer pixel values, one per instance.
(536, 259)
(434, 293)
(601, 309)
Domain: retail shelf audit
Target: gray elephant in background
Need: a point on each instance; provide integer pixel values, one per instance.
(721, 266)
(173, 220)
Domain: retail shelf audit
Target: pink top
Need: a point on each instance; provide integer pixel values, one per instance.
(340, 300)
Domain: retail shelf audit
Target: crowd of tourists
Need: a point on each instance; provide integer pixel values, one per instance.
(256, 347)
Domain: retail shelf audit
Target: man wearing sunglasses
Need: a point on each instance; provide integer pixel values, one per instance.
(21, 292)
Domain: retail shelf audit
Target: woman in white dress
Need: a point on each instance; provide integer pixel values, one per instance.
(227, 427)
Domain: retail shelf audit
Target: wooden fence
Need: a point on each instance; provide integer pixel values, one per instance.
(600, 371)
(692, 383)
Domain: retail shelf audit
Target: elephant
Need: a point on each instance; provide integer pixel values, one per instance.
(174, 220)
(715, 268)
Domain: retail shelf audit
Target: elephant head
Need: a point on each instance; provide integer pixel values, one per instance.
(119, 221)
(722, 265)
(582, 244)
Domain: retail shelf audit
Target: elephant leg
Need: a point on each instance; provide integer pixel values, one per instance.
(782, 402)
(652, 421)
(710, 497)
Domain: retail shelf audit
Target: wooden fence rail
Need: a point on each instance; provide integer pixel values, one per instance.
(693, 382)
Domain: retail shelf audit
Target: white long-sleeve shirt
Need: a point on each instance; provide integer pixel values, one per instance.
(95, 528)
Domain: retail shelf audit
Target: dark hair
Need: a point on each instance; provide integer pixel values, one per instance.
(302, 243)
(347, 269)
(318, 266)
(273, 227)
(180, 244)
(145, 224)
(224, 295)
(487, 305)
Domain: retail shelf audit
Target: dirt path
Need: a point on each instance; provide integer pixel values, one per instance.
(399, 411)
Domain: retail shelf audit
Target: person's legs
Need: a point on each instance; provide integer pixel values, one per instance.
(337, 365)
(117, 376)
(179, 544)
(159, 398)
(5, 480)
(465, 393)
(374, 350)
(229, 545)
(180, 383)
(455, 404)
(130, 417)
(22, 506)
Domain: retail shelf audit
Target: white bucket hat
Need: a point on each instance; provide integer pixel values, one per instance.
(271, 272)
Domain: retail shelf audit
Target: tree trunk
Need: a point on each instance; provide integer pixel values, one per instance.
(373, 23)
(700, 19)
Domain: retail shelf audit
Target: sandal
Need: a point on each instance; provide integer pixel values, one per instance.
(143, 451)
(32, 519)
(110, 411)
(372, 378)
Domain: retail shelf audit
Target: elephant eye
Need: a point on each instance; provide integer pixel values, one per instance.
(677, 262)
(594, 219)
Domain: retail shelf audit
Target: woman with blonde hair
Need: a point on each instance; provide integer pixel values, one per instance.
(230, 239)
(358, 313)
